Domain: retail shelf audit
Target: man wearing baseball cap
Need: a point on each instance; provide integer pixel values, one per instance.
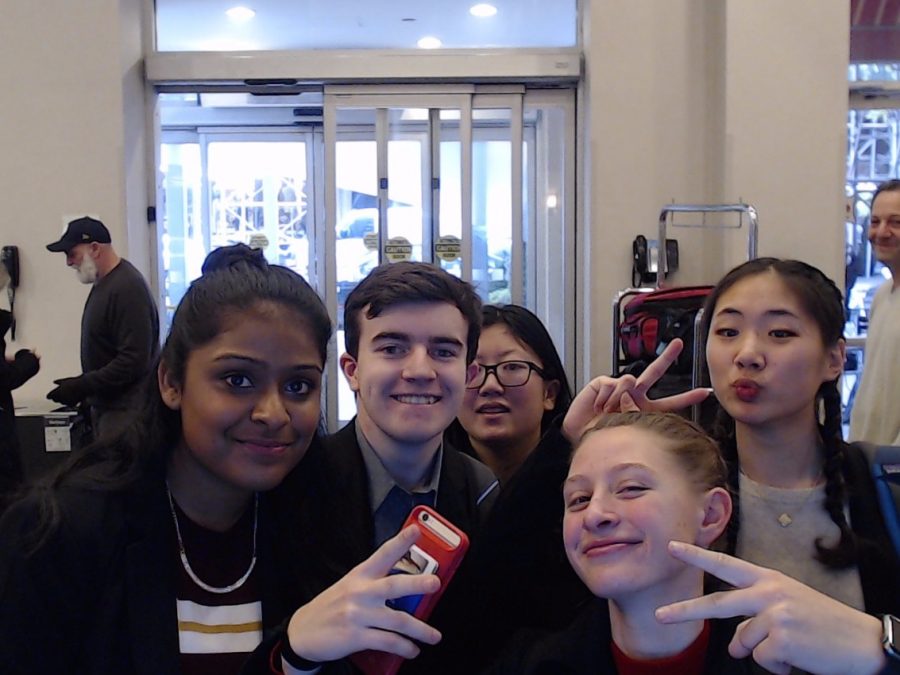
(119, 328)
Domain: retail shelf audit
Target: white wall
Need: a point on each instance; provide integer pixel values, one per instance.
(691, 100)
(63, 134)
(698, 101)
(786, 123)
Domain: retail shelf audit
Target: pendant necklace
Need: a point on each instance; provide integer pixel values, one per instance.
(187, 566)
(784, 519)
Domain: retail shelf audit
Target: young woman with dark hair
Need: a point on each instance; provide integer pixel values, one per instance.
(518, 572)
(159, 551)
(805, 502)
(519, 390)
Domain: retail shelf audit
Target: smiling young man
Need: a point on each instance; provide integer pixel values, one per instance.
(411, 335)
(876, 415)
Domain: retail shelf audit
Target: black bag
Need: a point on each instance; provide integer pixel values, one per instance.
(652, 320)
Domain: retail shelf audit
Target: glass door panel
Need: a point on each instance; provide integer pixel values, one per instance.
(182, 244)
(491, 219)
(440, 178)
(491, 208)
(357, 222)
(408, 216)
(448, 159)
(356, 231)
(448, 191)
(258, 197)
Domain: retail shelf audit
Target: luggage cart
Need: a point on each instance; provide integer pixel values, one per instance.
(666, 218)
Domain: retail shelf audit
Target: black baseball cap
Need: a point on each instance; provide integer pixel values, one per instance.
(81, 231)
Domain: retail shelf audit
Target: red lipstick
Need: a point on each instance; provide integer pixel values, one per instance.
(746, 390)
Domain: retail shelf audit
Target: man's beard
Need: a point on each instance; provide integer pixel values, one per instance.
(86, 270)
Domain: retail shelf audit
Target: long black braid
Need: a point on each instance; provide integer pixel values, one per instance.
(843, 554)
(823, 300)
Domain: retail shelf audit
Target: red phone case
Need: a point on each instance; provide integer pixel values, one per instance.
(448, 559)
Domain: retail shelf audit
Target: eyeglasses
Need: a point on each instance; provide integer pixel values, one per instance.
(508, 373)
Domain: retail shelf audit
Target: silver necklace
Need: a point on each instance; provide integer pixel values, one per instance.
(187, 566)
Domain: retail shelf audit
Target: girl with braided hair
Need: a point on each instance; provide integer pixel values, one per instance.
(804, 500)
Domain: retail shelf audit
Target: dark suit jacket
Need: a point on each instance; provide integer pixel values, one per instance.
(99, 597)
(333, 524)
(333, 528)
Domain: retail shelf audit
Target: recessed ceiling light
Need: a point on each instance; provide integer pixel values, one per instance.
(240, 14)
(482, 10)
(429, 42)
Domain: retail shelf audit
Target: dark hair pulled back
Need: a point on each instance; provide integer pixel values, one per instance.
(528, 329)
(235, 279)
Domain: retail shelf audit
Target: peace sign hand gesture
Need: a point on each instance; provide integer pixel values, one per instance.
(628, 393)
(351, 615)
(790, 623)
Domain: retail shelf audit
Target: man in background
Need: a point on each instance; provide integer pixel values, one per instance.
(876, 413)
(119, 328)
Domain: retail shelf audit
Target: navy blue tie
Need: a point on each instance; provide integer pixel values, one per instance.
(394, 509)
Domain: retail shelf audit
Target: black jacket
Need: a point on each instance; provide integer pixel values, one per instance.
(333, 528)
(99, 597)
(519, 576)
(584, 648)
(13, 374)
(333, 519)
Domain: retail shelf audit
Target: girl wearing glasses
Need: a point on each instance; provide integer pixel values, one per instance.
(510, 420)
(520, 388)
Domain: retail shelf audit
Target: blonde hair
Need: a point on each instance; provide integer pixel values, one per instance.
(696, 452)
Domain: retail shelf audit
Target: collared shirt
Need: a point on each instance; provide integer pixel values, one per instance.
(390, 503)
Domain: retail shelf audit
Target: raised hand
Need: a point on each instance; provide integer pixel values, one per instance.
(351, 615)
(607, 394)
(790, 624)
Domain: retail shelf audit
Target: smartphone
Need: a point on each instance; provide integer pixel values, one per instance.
(439, 550)
(416, 561)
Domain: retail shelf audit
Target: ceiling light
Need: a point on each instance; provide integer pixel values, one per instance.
(429, 42)
(240, 14)
(482, 10)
